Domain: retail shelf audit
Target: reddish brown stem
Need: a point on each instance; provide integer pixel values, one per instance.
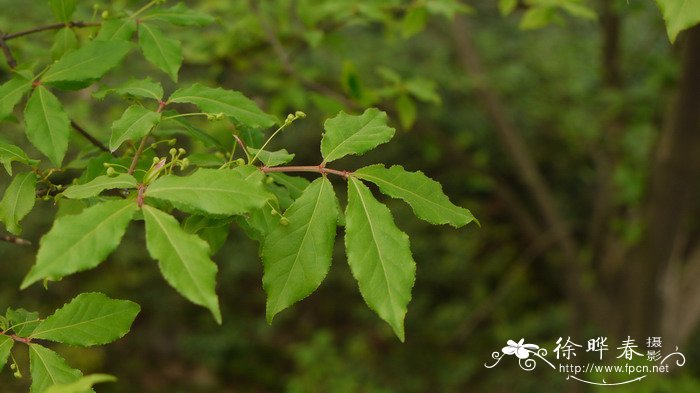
(142, 145)
(309, 168)
(54, 26)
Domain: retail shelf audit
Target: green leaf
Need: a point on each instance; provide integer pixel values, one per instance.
(233, 104)
(64, 42)
(146, 88)
(537, 17)
(48, 368)
(212, 191)
(89, 319)
(82, 385)
(679, 15)
(213, 230)
(162, 51)
(379, 256)
(295, 184)
(117, 30)
(97, 185)
(22, 321)
(18, 201)
(183, 259)
(407, 111)
(47, 125)
(424, 194)
(82, 241)
(180, 15)
(297, 256)
(63, 9)
(6, 344)
(135, 123)
(272, 158)
(10, 153)
(414, 21)
(347, 134)
(507, 6)
(11, 93)
(86, 64)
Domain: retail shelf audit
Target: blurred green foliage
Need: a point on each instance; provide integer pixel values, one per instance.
(475, 287)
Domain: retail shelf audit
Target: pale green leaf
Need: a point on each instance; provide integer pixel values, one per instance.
(63, 9)
(297, 256)
(89, 319)
(379, 255)
(407, 111)
(161, 50)
(425, 195)
(183, 259)
(199, 134)
(507, 6)
(679, 15)
(82, 241)
(146, 88)
(117, 30)
(82, 385)
(11, 93)
(64, 42)
(414, 21)
(135, 123)
(11, 153)
(272, 158)
(47, 125)
(537, 17)
(97, 185)
(18, 201)
(86, 64)
(233, 104)
(6, 344)
(180, 15)
(347, 134)
(212, 191)
(48, 368)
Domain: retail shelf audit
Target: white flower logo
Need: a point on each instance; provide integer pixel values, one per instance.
(521, 350)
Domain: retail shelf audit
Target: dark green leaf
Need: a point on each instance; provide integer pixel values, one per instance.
(63, 9)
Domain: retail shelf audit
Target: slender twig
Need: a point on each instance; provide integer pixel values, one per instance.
(89, 137)
(309, 168)
(15, 240)
(11, 62)
(54, 26)
(142, 145)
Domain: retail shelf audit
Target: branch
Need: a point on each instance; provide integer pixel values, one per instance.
(311, 168)
(15, 240)
(54, 26)
(142, 145)
(89, 137)
(11, 62)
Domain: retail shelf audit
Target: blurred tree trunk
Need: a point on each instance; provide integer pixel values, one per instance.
(673, 206)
